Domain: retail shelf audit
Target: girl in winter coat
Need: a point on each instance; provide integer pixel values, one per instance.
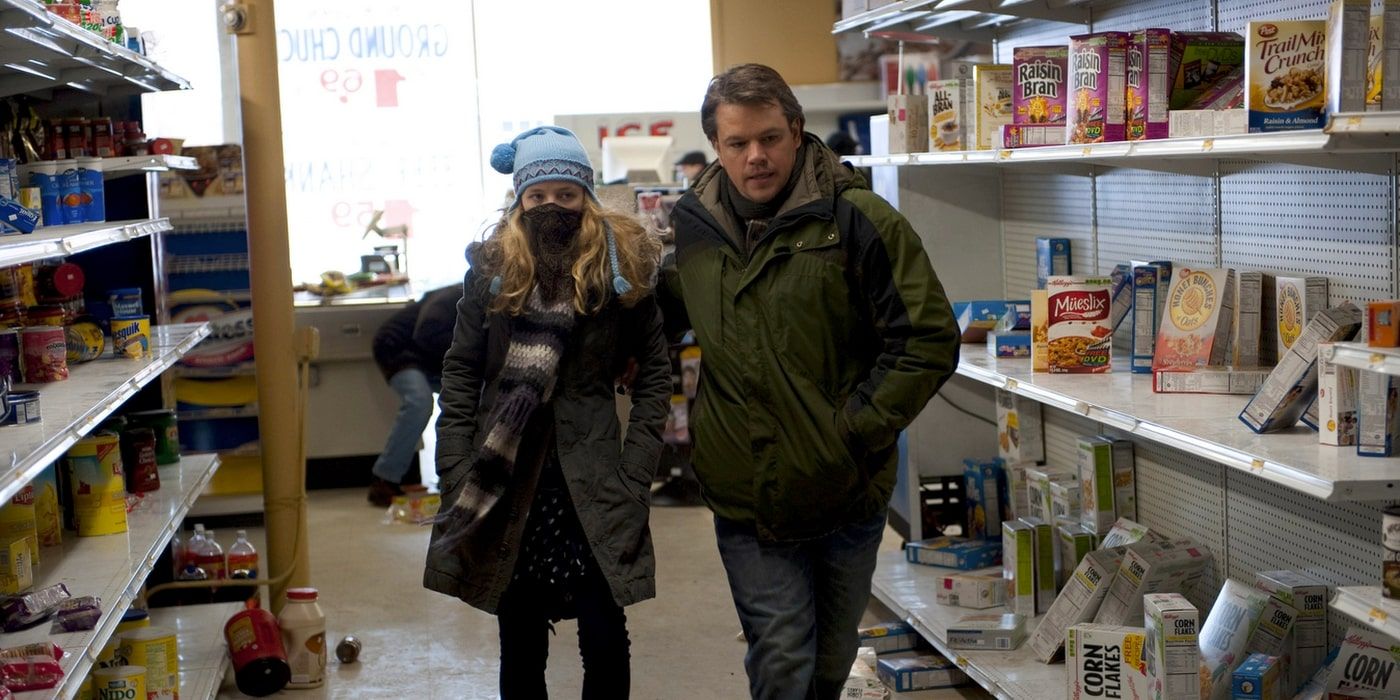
(545, 502)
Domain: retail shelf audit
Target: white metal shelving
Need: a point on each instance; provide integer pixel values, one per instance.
(963, 19)
(113, 567)
(199, 634)
(72, 407)
(1366, 604)
(909, 591)
(125, 165)
(57, 241)
(1363, 356)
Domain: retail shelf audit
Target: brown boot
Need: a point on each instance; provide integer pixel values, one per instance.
(381, 492)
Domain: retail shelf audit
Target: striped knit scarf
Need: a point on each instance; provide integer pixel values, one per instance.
(538, 336)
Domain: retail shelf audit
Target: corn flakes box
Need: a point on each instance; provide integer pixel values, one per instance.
(1080, 329)
(1149, 57)
(1040, 84)
(1196, 325)
(1098, 87)
(1285, 75)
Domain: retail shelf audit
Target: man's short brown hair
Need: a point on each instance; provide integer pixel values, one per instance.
(750, 84)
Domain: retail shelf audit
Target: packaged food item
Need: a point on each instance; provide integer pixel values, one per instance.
(1019, 436)
(1009, 344)
(29, 609)
(982, 491)
(155, 649)
(1377, 417)
(889, 637)
(1149, 89)
(96, 484)
(1383, 323)
(1016, 504)
(1305, 645)
(1258, 678)
(44, 352)
(30, 673)
(1065, 500)
(1040, 330)
(1336, 399)
(1032, 135)
(48, 649)
(1124, 477)
(954, 553)
(987, 631)
(993, 85)
(10, 356)
(1043, 562)
(1077, 602)
(1098, 85)
(1196, 325)
(1200, 60)
(1271, 633)
(1249, 304)
(919, 670)
(1286, 74)
(1038, 480)
(16, 566)
(1040, 83)
(1209, 380)
(125, 301)
(977, 318)
(1173, 657)
(131, 337)
(17, 521)
(1018, 566)
(1227, 94)
(1225, 635)
(1121, 295)
(1390, 54)
(77, 614)
(138, 446)
(1052, 257)
(70, 191)
(1297, 300)
(1075, 543)
(1158, 567)
(1348, 49)
(1292, 385)
(1080, 334)
(85, 341)
(1126, 532)
(167, 428)
(1149, 300)
(1096, 484)
(304, 636)
(119, 682)
(908, 123)
(17, 217)
(23, 408)
(92, 189)
(1105, 661)
(976, 591)
(949, 115)
(1364, 667)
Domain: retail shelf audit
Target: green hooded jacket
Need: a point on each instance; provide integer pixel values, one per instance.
(819, 347)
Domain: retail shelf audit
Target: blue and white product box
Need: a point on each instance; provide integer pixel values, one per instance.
(1051, 258)
(17, 217)
(1292, 385)
(1009, 344)
(1121, 294)
(978, 318)
(987, 632)
(922, 670)
(889, 637)
(966, 555)
(1258, 678)
(93, 191)
(982, 490)
(1145, 317)
(70, 192)
(1016, 318)
(1376, 415)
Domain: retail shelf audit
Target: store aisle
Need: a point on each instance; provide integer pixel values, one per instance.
(419, 644)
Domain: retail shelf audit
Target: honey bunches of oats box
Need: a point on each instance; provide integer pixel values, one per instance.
(1196, 322)
(1296, 301)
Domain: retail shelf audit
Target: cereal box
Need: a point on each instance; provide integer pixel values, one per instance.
(1040, 330)
(1018, 565)
(948, 102)
(1296, 300)
(1077, 602)
(1147, 305)
(1105, 661)
(1376, 415)
(889, 637)
(983, 487)
(1040, 84)
(1098, 77)
(1210, 380)
(1017, 490)
(919, 670)
(1365, 666)
(1032, 135)
(1259, 678)
(1191, 123)
(1249, 304)
(1383, 323)
(987, 631)
(1292, 384)
(1348, 46)
(1158, 567)
(1390, 55)
(1038, 480)
(908, 123)
(1124, 478)
(1268, 312)
(1149, 59)
(1196, 325)
(1126, 532)
(1080, 332)
(1121, 295)
(1271, 633)
(1199, 60)
(1285, 75)
(1096, 486)
(992, 106)
(1226, 94)
(1051, 258)
(974, 591)
(1014, 345)
(1306, 645)
(1065, 499)
(1225, 635)
(1173, 658)
(1075, 543)
(1375, 49)
(965, 555)
(1336, 399)
(1019, 437)
(1044, 559)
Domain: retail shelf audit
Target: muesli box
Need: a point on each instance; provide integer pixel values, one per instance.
(1390, 55)
(1098, 86)
(948, 114)
(1075, 543)
(1149, 89)
(1041, 84)
(1286, 75)
(1375, 51)
(1196, 324)
(1018, 565)
(1080, 330)
(1199, 60)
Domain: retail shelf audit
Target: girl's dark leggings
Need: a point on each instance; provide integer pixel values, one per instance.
(602, 642)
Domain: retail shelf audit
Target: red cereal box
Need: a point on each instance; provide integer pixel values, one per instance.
(1080, 324)
(1149, 56)
(1098, 86)
(1040, 84)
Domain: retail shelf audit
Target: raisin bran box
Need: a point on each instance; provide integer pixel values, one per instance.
(1098, 85)
(1041, 84)
(1080, 332)
(1149, 58)
(1286, 75)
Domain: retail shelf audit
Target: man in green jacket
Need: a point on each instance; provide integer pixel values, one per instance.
(824, 332)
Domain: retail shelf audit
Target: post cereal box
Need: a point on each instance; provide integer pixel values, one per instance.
(1375, 49)
(1149, 56)
(1196, 325)
(1080, 331)
(992, 87)
(1199, 61)
(1348, 45)
(948, 115)
(1285, 74)
(1296, 301)
(1098, 86)
(1040, 84)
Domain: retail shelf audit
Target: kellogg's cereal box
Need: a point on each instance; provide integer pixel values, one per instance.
(1080, 332)
(1098, 85)
(1285, 75)
(1149, 54)
(948, 115)
(1199, 60)
(1196, 325)
(1040, 84)
(992, 86)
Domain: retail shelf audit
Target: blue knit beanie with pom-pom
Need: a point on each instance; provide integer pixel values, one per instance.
(552, 154)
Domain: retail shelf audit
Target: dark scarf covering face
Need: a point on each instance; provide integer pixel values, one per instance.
(538, 337)
(746, 210)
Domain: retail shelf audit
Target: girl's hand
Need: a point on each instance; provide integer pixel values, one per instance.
(629, 375)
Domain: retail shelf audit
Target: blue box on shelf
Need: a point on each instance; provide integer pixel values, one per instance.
(977, 318)
(954, 553)
(921, 670)
(1051, 258)
(984, 492)
(1014, 344)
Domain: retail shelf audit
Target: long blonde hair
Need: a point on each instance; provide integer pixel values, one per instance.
(506, 253)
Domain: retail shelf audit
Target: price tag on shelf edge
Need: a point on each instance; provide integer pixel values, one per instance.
(1378, 615)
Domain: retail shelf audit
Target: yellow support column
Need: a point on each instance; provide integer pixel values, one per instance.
(280, 420)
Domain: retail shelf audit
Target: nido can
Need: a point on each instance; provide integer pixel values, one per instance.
(85, 341)
(131, 336)
(44, 354)
(1390, 538)
(96, 485)
(139, 460)
(9, 355)
(167, 430)
(155, 649)
(119, 683)
(259, 660)
(132, 619)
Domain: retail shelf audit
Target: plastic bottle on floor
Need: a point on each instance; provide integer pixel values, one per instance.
(304, 635)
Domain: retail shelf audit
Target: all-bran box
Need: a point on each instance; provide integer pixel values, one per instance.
(991, 106)
(1149, 90)
(1196, 324)
(1041, 84)
(1080, 324)
(948, 114)
(1199, 60)
(1098, 85)
(1286, 75)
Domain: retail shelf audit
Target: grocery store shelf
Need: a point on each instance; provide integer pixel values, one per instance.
(43, 52)
(242, 369)
(909, 591)
(113, 568)
(93, 391)
(132, 164)
(961, 19)
(1205, 425)
(212, 506)
(199, 635)
(1363, 356)
(56, 241)
(219, 412)
(1365, 604)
